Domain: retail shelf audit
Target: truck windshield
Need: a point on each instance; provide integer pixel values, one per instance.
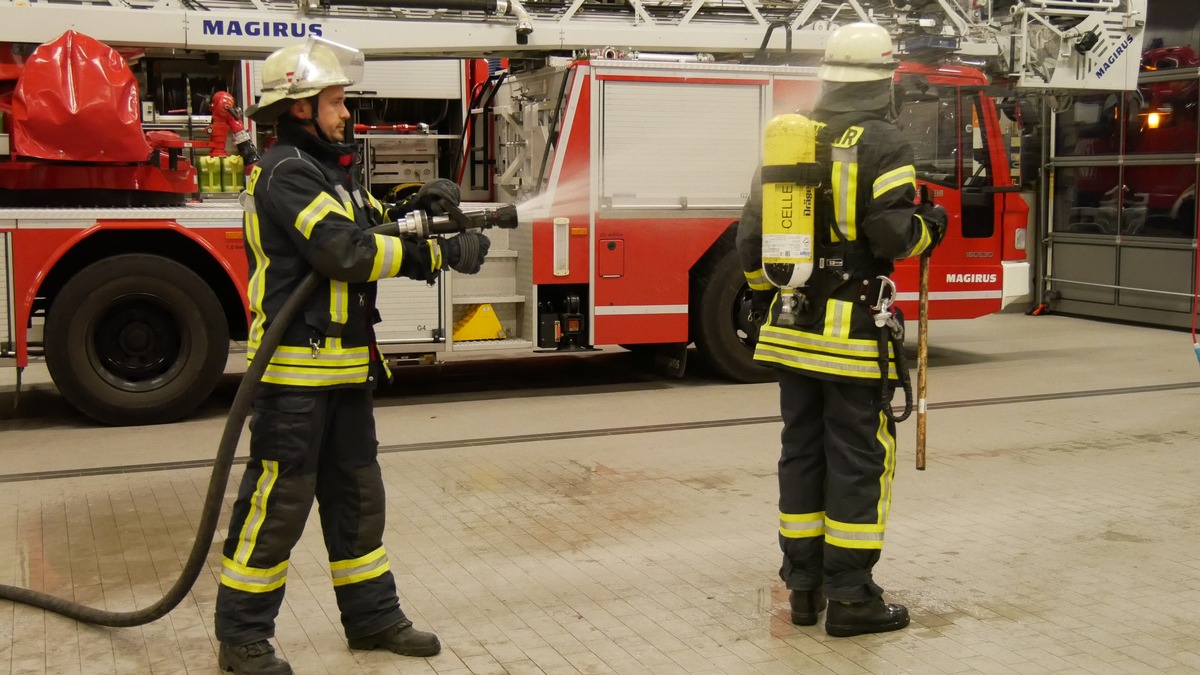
(929, 122)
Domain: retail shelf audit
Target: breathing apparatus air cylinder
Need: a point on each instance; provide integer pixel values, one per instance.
(789, 205)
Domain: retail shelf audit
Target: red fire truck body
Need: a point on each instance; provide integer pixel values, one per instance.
(629, 239)
(653, 164)
(630, 174)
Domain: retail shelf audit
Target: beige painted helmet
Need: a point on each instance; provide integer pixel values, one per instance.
(299, 71)
(858, 52)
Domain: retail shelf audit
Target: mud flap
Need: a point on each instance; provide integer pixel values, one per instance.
(671, 359)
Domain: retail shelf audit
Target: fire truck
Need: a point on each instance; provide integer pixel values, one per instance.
(627, 134)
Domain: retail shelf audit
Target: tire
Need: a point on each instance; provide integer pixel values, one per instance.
(720, 314)
(136, 339)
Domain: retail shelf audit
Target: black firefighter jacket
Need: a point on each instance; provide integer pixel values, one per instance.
(871, 219)
(306, 211)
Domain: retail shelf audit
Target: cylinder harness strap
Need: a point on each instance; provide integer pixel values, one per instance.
(891, 332)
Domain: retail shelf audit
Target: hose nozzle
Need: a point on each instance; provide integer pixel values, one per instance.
(421, 224)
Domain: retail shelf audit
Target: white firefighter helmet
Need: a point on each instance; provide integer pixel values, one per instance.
(858, 52)
(300, 71)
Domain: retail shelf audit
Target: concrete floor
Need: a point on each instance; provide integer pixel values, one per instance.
(629, 526)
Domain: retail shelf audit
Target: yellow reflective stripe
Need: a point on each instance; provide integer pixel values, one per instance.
(252, 180)
(820, 363)
(328, 357)
(389, 253)
(853, 535)
(256, 288)
(852, 200)
(922, 243)
(375, 203)
(258, 512)
(837, 319)
(315, 377)
(888, 441)
(857, 347)
(802, 525)
(839, 197)
(905, 175)
(339, 304)
(322, 362)
(251, 579)
(321, 206)
(845, 192)
(758, 280)
(369, 566)
(435, 255)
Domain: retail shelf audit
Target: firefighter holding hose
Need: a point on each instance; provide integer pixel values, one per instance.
(831, 209)
(313, 427)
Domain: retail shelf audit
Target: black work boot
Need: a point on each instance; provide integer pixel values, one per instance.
(806, 605)
(256, 658)
(402, 639)
(855, 618)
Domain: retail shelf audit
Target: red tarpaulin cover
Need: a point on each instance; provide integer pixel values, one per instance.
(78, 101)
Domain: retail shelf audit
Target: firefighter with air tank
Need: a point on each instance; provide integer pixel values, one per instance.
(830, 210)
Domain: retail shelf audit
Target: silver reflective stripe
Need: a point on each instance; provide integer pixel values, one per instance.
(246, 200)
(844, 160)
(905, 175)
(816, 362)
(316, 211)
(338, 307)
(385, 257)
(345, 575)
(254, 580)
(758, 280)
(839, 318)
(857, 348)
(334, 376)
(810, 525)
(852, 536)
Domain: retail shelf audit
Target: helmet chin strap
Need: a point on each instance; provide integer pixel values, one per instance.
(315, 103)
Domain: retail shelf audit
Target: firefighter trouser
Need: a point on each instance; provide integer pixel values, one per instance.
(304, 445)
(835, 484)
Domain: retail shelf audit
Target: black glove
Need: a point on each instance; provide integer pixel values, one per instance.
(760, 306)
(465, 252)
(435, 195)
(936, 219)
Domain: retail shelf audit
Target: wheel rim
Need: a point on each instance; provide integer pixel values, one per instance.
(135, 343)
(744, 328)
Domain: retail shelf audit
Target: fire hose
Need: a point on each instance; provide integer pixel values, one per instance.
(418, 224)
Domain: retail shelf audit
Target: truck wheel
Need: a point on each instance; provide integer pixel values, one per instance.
(136, 339)
(720, 314)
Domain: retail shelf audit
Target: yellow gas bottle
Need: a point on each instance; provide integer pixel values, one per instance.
(233, 173)
(210, 173)
(789, 200)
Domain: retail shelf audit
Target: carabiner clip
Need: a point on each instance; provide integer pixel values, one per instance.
(882, 309)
